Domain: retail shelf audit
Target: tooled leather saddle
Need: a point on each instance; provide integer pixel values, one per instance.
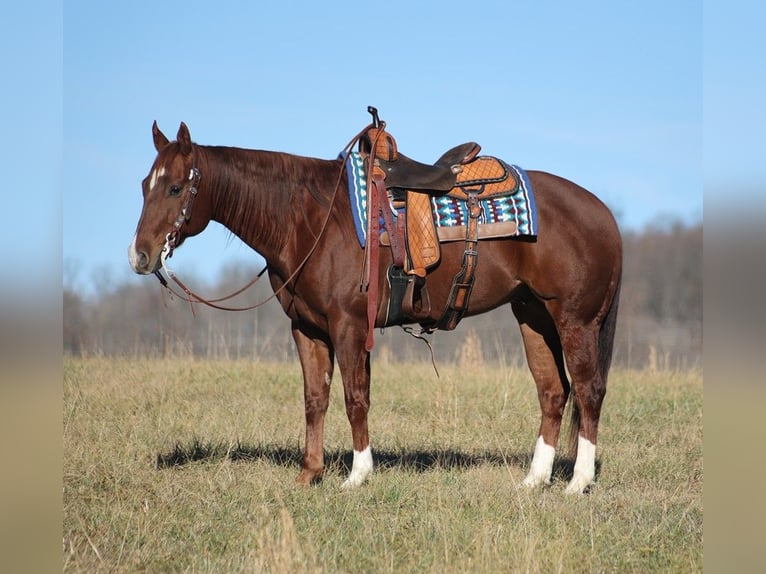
(395, 179)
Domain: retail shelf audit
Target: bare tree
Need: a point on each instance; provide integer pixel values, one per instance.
(660, 322)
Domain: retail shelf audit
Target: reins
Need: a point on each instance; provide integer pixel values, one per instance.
(172, 240)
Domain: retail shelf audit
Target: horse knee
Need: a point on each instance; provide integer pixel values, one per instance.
(357, 401)
(357, 412)
(590, 397)
(553, 401)
(316, 405)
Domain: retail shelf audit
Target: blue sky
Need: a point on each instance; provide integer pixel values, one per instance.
(607, 94)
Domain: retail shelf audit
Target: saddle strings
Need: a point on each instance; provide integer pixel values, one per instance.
(417, 333)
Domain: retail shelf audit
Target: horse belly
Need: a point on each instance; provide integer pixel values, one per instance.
(495, 279)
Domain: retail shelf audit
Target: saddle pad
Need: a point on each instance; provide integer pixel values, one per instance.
(517, 207)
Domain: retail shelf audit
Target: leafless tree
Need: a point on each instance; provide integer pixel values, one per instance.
(660, 323)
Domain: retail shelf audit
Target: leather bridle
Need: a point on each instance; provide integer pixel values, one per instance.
(173, 239)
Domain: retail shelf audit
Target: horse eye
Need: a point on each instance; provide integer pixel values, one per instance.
(175, 190)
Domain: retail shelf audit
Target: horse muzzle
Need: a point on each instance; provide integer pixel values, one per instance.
(140, 261)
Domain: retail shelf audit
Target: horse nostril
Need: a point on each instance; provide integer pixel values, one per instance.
(143, 260)
(139, 260)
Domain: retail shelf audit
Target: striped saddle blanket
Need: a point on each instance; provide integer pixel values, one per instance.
(511, 213)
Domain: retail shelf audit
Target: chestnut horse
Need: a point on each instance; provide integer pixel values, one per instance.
(563, 287)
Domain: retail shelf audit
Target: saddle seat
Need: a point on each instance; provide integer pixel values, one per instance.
(402, 172)
(406, 173)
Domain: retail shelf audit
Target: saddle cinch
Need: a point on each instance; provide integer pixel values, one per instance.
(413, 238)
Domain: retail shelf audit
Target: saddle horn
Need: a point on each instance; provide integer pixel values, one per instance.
(379, 138)
(374, 112)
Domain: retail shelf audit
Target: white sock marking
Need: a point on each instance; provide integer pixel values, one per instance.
(360, 469)
(542, 465)
(584, 468)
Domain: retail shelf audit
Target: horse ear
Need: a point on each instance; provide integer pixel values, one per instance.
(184, 139)
(160, 141)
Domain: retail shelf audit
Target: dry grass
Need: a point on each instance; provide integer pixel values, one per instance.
(182, 465)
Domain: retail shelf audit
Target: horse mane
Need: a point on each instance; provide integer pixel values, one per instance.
(247, 184)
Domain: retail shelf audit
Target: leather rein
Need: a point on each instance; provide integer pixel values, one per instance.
(172, 241)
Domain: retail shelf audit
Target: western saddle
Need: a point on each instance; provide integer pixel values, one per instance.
(395, 180)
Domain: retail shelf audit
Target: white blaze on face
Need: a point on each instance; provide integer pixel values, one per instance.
(156, 175)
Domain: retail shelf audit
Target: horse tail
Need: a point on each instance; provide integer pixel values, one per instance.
(606, 335)
(605, 348)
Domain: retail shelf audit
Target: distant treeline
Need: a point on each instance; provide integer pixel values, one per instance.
(659, 325)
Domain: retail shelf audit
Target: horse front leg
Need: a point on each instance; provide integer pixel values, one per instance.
(354, 363)
(316, 356)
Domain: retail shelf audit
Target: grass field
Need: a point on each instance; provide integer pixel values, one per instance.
(186, 465)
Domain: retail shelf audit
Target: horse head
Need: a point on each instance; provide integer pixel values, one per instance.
(169, 190)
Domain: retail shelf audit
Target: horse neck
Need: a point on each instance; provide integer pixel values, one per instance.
(261, 195)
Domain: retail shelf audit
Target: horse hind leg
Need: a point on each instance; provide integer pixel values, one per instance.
(545, 361)
(588, 350)
(589, 385)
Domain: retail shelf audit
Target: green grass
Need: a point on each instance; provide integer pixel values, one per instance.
(184, 465)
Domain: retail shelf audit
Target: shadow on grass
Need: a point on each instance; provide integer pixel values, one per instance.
(340, 461)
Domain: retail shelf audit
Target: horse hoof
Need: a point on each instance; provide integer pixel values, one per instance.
(578, 485)
(352, 482)
(308, 477)
(532, 481)
(360, 469)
